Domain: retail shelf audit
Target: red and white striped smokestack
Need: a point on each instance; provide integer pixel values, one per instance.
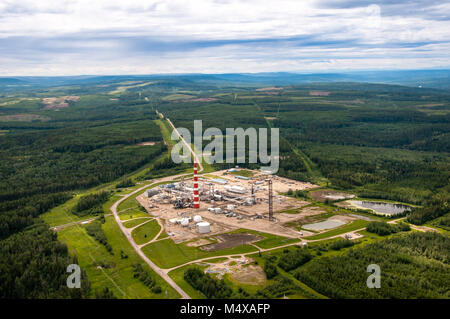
(196, 199)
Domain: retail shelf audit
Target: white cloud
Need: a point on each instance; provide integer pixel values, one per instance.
(140, 36)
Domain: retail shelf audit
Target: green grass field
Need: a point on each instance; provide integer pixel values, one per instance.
(133, 213)
(163, 235)
(146, 232)
(117, 273)
(130, 202)
(135, 222)
(61, 215)
(269, 240)
(274, 241)
(167, 254)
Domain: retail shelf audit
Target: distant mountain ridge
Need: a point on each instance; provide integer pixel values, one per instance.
(437, 79)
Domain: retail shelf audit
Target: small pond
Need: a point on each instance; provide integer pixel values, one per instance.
(382, 208)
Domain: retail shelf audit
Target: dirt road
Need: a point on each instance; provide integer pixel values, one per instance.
(127, 233)
(135, 246)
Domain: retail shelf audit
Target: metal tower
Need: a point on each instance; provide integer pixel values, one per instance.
(253, 194)
(270, 200)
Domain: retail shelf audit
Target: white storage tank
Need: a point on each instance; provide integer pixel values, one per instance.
(236, 189)
(197, 218)
(184, 222)
(204, 227)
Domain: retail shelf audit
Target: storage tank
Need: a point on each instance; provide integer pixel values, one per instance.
(197, 218)
(236, 189)
(204, 227)
(184, 222)
(230, 207)
(151, 192)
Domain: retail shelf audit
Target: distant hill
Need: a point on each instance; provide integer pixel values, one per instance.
(437, 79)
(11, 81)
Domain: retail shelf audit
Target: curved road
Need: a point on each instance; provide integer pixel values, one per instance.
(127, 233)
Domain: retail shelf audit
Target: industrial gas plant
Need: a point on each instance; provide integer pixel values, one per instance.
(214, 203)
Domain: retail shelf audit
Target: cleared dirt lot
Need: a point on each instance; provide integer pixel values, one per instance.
(199, 242)
(23, 118)
(230, 241)
(55, 103)
(202, 99)
(319, 93)
(250, 275)
(323, 195)
(146, 144)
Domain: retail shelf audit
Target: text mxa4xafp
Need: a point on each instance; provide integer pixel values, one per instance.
(260, 308)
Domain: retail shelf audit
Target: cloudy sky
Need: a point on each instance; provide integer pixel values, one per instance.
(72, 37)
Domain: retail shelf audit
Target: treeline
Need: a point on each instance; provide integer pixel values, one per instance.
(413, 265)
(341, 243)
(282, 285)
(218, 289)
(279, 286)
(211, 287)
(40, 179)
(291, 165)
(125, 183)
(383, 228)
(443, 222)
(33, 264)
(291, 259)
(105, 293)
(140, 273)
(437, 207)
(91, 204)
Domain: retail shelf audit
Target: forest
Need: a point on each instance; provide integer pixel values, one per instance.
(43, 164)
(33, 265)
(383, 228)
(414, 265)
